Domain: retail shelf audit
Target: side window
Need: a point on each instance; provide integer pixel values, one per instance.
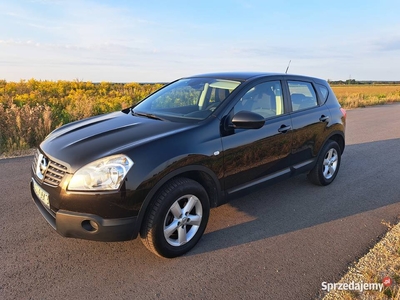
(302, 95)
(324, 91)
(264, 99)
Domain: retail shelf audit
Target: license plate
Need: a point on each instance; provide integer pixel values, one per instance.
(41, 194)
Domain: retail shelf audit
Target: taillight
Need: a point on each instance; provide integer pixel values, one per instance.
(344, 113)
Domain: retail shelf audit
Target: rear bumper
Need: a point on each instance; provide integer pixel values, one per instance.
(88, 226)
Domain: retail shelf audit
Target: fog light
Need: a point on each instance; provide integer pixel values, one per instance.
(90, 225)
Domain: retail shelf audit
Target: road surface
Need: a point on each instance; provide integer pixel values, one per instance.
(279, 242)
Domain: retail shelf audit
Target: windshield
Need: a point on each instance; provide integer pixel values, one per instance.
(190, 98)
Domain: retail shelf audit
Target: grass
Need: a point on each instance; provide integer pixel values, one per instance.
(353, 96)
(29, 110)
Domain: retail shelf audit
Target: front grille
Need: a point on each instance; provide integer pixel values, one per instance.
(55, 173)
(52, 174)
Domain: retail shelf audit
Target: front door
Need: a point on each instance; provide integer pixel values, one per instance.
(252, 156)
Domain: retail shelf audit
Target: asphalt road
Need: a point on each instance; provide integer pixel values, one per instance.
(279, 242)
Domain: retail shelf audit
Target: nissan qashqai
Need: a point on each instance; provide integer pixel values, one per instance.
(155, 169)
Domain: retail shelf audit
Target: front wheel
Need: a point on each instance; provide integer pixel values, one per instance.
(327, 166)
(176, 219)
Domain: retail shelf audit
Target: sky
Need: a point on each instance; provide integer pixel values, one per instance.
(160, 41)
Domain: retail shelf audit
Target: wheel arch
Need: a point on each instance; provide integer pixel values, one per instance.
(338, 137)
(198, 173)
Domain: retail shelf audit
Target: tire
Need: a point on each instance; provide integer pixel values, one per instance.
(176, 218)
(327, 166)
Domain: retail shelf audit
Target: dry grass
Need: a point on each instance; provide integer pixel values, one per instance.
(23, 127)
(29, 110)
(383, 260)
(353, 96)
(18, 153)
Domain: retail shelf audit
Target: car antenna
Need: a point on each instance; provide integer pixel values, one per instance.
(288, 66)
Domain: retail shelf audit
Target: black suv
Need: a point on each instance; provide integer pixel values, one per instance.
(156, 168)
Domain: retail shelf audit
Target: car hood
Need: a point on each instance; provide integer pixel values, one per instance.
(79, 143)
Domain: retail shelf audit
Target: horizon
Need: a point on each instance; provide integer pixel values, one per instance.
(126, 41)
(341, 81)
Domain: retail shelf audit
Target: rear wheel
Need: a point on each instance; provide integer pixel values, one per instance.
(327, 165)
(176, 219)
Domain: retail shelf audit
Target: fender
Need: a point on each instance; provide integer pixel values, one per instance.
(337, 133)
(187, 169)
(329, 137)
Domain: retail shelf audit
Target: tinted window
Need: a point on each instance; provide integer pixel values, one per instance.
(264, 99)
(302, 95)
(324, 91)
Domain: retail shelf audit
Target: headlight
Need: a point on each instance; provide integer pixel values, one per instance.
(105, 174)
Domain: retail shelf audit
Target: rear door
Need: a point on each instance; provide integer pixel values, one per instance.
(310, 119)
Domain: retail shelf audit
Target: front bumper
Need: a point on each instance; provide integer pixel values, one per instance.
(88, 226)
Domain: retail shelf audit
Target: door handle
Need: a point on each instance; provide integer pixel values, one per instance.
(324, 118)
(284, 128)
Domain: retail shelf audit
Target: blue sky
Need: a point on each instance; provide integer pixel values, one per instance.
(152, 41)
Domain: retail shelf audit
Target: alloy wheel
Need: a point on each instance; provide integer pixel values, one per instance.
(183, 220)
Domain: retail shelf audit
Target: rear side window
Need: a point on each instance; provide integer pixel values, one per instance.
(302, 95)
(324, 92)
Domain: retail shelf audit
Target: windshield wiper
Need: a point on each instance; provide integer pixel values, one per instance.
(147, 115)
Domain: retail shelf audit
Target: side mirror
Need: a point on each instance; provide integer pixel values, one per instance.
(247, 120)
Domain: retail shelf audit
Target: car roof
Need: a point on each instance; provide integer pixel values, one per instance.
(244, 76)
